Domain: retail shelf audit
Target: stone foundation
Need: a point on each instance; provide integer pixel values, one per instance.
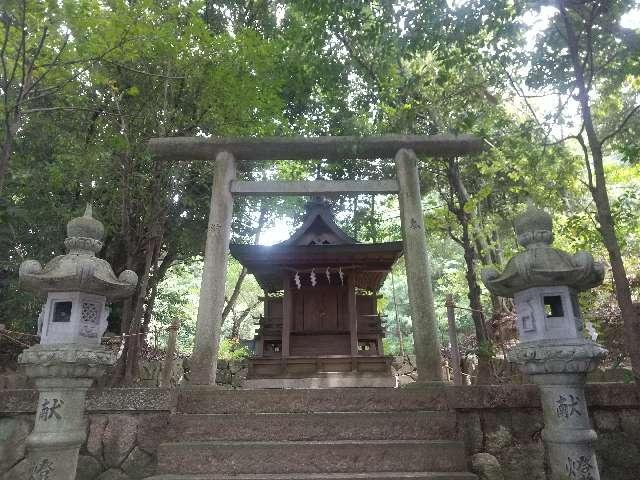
(513, 433)
(124, 429)
(125, 426)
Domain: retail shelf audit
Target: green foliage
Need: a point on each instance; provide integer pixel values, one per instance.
(391, 345)
(486, 350)
(177, 298)
(231, 349)
(394, 306)
(130, 71)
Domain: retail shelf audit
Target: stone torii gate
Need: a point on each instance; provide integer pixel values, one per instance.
(226, 151)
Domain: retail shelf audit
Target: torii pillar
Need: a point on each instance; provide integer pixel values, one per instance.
(426, 342)
(204, 360)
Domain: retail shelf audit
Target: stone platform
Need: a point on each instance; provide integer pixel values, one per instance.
(328, 371)
(318, 372)
(321, 381)
(327, 476)
(130, 430)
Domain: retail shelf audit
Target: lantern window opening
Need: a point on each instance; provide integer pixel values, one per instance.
(553, 306)
(62, 311)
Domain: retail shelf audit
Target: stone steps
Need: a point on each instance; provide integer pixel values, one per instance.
(338, 456)
(318, 434)
(210, 400)
(418, 425)
(328, 476)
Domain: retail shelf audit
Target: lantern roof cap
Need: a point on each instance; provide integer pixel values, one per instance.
(541, 265)
(534, 226)
(85, 226)
(79, 270)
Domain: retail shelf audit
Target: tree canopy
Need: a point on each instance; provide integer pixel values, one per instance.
(553, 88)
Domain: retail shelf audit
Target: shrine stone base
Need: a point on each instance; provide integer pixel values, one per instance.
(126, 427)
(326, 380)
(331, 371)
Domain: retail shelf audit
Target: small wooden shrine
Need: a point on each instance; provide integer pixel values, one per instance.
(320, 305)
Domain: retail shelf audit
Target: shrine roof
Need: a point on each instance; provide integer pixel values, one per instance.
(319, 227)
(319, 244)
(371, 261)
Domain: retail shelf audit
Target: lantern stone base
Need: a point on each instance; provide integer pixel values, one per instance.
(62, 374)
(561, 356)
(67, 360)
(559, 368)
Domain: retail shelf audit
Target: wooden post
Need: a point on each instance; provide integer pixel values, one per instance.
(205, 353)
(395, 307)
(423, 316)
(453, 341)
(353, 313)
(287, 313)
(167, 366)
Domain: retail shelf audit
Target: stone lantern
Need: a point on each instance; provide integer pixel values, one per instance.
(69, 357)
(553, 349)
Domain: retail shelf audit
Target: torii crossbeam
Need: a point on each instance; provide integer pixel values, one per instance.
(312, 148)
(226, 151)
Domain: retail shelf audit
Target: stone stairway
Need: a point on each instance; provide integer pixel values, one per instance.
(334, 434)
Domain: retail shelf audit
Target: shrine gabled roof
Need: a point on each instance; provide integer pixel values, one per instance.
(370, 261)
(319, 227)
(319, 244)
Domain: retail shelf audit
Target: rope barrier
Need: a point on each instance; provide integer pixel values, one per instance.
(469, 309)
(121, 337)
(461, 373)
(515, 375)
(4, 330)
(7, 334)
(14, 340)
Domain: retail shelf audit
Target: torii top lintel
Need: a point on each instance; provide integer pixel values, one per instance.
(310, 148)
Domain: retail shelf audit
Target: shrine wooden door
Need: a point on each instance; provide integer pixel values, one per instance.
(319, 309)
(320, 324)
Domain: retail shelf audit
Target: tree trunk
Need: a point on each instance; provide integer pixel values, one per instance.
(7, 150)
(471, 275)
(134, 235)
(598, 187)
(243, 273)
(234, 295)
(487, 254)
(475, 303)
(237, 321)
(134, 341)
(159, 273)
